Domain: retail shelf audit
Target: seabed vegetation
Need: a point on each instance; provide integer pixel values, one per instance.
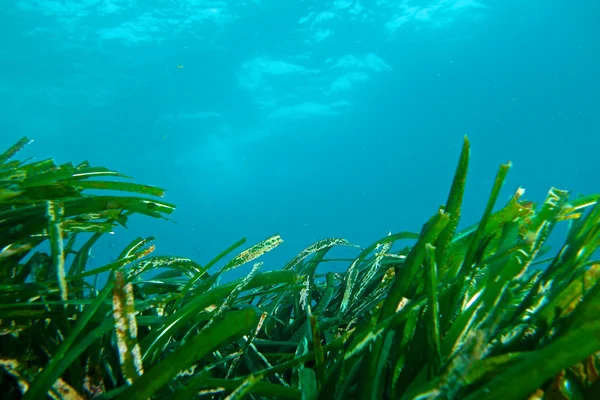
(488, 312)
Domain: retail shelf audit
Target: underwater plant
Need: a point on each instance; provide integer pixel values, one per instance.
(485, 312)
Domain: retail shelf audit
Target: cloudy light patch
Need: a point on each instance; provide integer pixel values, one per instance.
(304, 20)
(47, 7)
(142, 29)
(371, 61)
(317, 18)
(322, 34)
(374, 62)
(342, 4)
(109, 8)
(357, 10)
(357, 67)
(73, 9)
(348, 61)
(319, 33)
(436, 14)
(253, 73)
(424, 14)
(324, 16)
(219, 16)
(467, 4)
(308, 109)
(393, 25)
(299, 90)
(123, 33)
(346, 82)
(138, 18)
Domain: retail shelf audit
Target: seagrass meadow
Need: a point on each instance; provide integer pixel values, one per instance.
(489, 312)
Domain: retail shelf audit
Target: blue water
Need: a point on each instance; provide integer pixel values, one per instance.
(306, 118)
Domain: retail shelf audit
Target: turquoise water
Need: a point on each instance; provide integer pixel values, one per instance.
(305, 118)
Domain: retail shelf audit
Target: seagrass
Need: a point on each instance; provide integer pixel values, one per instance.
(489, 311)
